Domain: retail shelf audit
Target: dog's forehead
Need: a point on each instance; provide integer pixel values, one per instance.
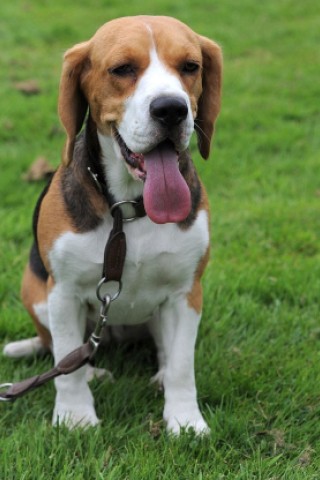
(129, 36)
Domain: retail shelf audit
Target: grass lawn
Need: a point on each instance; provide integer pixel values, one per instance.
(257, 357)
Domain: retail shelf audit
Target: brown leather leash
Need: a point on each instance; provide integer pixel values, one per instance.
(114, 259)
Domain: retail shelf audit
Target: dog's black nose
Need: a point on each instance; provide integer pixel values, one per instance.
(169, 111)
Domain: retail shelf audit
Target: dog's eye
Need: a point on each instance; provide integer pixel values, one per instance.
(125, 70)
(190, 67)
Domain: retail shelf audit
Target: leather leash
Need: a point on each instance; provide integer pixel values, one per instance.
(114, 258)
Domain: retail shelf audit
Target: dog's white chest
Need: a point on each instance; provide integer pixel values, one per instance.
(160, 263)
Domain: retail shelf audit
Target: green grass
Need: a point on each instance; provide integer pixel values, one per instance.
(257, 358)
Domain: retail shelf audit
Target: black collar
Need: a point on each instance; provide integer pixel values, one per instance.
(137, 204)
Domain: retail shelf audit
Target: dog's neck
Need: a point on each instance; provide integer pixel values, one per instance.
(120, 183)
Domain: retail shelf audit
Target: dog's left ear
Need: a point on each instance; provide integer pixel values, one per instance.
(72, 103)
(210, 99)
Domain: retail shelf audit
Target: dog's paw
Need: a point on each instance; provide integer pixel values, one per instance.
(178, 420)
(93, 372)
(77, 416)
(25, 348)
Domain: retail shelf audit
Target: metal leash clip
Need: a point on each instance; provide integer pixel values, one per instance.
(95, 337)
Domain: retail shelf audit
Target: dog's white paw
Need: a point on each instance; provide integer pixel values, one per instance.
(74, 406)
(178, 419)
(24, 348)
(93, 372)
(77, 416)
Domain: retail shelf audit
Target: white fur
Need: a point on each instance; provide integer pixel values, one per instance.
(24, 348)
(155, 264)
(121, 184)
(175, 331)
(41, 310)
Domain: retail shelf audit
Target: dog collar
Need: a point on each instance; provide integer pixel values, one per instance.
(136, 208)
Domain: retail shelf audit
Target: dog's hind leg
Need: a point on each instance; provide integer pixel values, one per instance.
(34, 298)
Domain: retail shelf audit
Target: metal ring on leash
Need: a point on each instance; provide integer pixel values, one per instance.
(124, 202)
(112, 297)
(2, 386)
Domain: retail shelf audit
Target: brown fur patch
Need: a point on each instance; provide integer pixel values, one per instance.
(34, 291)
(53, 219)
(194, 297)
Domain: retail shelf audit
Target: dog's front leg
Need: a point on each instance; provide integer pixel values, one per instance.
(179, 324)
(74, 404)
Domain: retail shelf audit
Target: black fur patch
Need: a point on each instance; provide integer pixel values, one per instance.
(36, 264)
(76, 184)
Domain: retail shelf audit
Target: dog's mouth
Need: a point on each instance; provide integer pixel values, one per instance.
(135, 161)
(166, 195)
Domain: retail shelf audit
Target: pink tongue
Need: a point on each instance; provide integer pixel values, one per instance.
(166, 194)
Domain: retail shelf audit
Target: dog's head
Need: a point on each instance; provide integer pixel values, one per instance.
(148, 82)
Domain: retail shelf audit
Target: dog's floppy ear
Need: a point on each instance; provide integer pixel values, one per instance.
(210, 99)
(72, 103)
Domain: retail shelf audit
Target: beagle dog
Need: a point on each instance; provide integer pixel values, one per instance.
(141, 85)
